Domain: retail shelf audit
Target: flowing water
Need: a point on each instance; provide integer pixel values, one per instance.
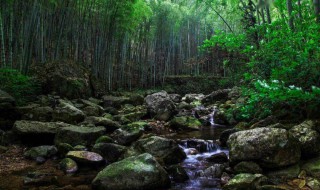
(204, 142)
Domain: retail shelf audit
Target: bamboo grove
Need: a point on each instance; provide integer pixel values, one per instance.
(127, 43)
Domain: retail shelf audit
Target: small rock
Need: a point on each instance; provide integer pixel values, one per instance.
(64, 148)
(68, 166)
(178, 173)
(104, 139)
(214, 171)
(218, 158)
(41, 151)
(85, 157)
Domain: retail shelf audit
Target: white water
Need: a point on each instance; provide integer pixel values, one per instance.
(197, 162)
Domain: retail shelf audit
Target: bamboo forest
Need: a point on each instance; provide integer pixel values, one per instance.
(159, 94)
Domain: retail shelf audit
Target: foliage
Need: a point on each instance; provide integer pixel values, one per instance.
(21, 87)
(266, 97)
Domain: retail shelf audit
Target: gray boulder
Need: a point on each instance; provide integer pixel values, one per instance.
(141, 172)
(85, 157)
(160, 106)
(165, 150)
(75, 135)
(102, 121)
(308, 138)
(67, 113)
(269, 147)
(109, 151)
(41, 151)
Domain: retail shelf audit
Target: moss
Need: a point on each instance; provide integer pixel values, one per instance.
(104, 139)
(185, 122)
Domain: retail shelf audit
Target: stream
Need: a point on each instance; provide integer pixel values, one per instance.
(204, 142)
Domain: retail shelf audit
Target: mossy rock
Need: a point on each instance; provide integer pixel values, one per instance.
(134, 173)
(185, 123)
(245, 181)
(104, 139)
(68, 165)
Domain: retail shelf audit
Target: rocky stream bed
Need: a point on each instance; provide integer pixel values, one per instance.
(152, 141)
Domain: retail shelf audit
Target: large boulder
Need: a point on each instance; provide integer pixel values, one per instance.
(127, 135)
(68, 113)
(308, 138)
(38, 132)
(91, 108)
(160, 106)
(269, 147)
(8, 110)
(141, 172)
(213, 97)
(43, 114)
(185, 123)
(75, 135)
(167, 151)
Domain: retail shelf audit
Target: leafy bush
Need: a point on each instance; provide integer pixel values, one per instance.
(21, 87)
(267, 97)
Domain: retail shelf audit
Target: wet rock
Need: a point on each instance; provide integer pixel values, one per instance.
(247, 167)
(220, 157)
(80, 148)
(92, 108)
(104, 139)
(185, 123)
(192, 97)
(37, 132)
(109, 151)
(270, 147)
(85, 157)
(140, 172)
(113, 101)
(199, 144)
(127, 135)
(177, 173)
(225, 178)
(245, 182)
(175, 98)
(213, 97)
(41, 151)
(68, 165)
(102, 121)
(214, 171)
(308, 138)
(160, 106)
(165, 150)
(224, 136)
(312, 167)
(64, 148)
(75, 135)
(67, 113)
(191, 151)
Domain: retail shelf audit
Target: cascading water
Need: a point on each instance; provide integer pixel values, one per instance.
(211, 116)
(198, 151)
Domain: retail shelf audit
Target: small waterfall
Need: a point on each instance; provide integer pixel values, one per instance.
(200, 145)
(211, 116)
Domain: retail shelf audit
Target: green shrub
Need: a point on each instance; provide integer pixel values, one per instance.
(267, 97)
(21, 87)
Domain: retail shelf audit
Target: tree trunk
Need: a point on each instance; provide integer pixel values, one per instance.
(3, 53)
(290, 9)
(268, 14)
(317, 9)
